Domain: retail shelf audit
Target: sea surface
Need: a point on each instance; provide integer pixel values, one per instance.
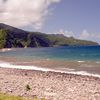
(82, 59)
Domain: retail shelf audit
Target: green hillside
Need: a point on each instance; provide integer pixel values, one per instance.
(11, 37)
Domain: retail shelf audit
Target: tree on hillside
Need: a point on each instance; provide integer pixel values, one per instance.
(3, 34)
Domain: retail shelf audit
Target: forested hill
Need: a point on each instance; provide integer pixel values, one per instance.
(11, 37)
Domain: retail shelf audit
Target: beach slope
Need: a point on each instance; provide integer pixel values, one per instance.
(49, 85)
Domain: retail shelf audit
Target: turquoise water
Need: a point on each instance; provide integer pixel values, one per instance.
(83, 59)
(82, 53)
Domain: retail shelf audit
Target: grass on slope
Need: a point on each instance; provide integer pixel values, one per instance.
(8, 97)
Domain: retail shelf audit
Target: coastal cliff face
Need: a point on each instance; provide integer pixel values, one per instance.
(11, 37)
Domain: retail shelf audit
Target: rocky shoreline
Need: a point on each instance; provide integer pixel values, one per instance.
(49, 85)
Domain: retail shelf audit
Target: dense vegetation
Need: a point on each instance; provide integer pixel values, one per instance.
(2, 38)
(13, 37)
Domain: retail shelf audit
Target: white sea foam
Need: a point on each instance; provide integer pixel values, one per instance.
(67, 69)
(98, 62)
(4, 50)
(80, 61)
(10, 65)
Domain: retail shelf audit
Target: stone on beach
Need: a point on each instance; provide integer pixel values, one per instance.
(49, 85)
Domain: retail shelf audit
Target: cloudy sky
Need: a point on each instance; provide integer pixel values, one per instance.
(78, 18)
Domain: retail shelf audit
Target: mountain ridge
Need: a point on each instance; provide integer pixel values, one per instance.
(11, 37)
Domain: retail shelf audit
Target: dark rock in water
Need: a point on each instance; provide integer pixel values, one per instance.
(14, 37)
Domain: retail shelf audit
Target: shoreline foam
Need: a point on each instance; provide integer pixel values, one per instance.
(37, 68)
(6, 49)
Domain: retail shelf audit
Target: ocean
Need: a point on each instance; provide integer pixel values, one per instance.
(80, 59)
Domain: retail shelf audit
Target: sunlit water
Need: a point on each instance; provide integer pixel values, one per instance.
(69, 58)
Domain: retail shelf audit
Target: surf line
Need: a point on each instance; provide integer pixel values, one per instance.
(37, 68)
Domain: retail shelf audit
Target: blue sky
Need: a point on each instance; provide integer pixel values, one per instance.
(82, 17)
(75, 15)
(78, 18)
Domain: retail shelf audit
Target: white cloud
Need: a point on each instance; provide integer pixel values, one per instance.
(69, 34)
(84, 35)
(64, 32)
(89, 36)
(25, 12)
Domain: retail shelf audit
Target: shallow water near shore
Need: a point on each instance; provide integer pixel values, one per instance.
(66, 59)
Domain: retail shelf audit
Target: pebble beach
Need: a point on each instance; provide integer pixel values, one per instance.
(49, 85)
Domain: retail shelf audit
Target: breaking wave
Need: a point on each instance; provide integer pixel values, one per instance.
(37, 68)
